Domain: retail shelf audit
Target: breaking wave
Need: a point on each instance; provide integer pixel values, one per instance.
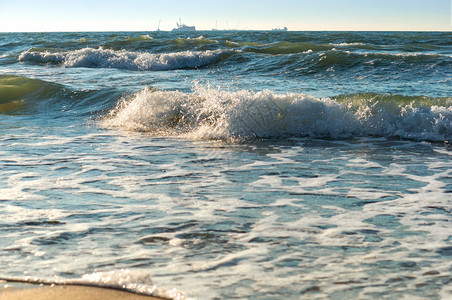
(122, 59)
(199, 41)
(209, 113)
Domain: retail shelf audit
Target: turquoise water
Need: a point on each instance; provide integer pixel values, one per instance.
(247, 165)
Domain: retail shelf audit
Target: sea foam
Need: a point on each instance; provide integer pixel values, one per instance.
(211, 113)
(122, 59)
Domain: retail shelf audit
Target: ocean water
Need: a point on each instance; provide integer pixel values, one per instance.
(229, 165)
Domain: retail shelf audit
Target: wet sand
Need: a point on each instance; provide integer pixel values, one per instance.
(69, 292)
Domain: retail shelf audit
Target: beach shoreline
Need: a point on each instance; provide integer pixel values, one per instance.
(16, 291)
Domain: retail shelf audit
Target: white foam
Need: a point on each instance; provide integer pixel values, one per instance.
(122, 59)
(398, 54)
(18, 214)
(131, 280)
(347, 44)
(198, 40)
(209, 113)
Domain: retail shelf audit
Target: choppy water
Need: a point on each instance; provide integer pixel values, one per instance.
(229, 164)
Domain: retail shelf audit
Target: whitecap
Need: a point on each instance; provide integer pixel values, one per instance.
(210, 113)
(122, 59)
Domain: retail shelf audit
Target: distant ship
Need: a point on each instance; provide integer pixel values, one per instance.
(279, 29)
(183, 27)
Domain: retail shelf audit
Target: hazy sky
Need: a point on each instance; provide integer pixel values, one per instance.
(125, 15)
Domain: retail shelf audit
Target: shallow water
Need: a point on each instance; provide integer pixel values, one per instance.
(260, 165)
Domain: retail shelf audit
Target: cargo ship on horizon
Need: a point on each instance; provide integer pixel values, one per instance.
(183, 27)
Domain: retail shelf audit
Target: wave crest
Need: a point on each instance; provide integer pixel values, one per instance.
(122, 59)
(17, 92)
(199, 41)
(209, 113)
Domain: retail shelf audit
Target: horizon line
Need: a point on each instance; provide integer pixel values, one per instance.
(213, 30)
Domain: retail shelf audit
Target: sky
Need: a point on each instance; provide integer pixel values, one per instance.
(141, 15)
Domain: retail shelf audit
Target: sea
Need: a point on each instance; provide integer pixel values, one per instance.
(228, 164)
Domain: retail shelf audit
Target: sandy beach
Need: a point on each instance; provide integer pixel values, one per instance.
(63, 292)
